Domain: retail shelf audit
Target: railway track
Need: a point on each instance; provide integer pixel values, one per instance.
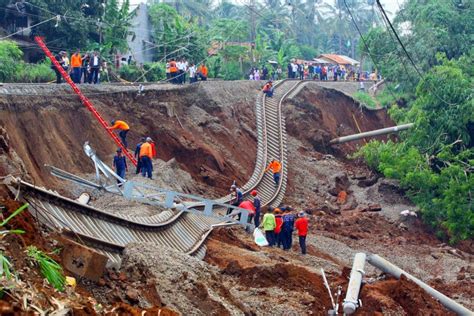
(186, 232)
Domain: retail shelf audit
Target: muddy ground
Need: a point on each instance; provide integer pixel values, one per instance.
(213, 142)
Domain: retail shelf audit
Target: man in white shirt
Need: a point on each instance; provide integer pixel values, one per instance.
(94, 68)
(192, 73)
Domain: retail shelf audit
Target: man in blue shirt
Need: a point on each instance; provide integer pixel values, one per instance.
(287, 227)
(137, 154)
(257, 205)
(120, 164)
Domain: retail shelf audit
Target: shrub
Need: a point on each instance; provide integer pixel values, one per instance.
(231, 71)
(35, 73)
(151, 72)
(49, 268)
(10, 60)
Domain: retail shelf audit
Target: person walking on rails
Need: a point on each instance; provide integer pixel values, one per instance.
(120, 164)
(123, 127)
(275, 167)
(146, 154)
(301, 225)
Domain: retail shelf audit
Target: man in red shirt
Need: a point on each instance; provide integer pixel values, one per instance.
(247, 205)
(301, 225)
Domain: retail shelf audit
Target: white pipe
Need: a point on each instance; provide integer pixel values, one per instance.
(351, 302)
(395, 271)
(377, 132)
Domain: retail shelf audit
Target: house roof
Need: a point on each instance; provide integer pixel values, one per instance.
(338, 59)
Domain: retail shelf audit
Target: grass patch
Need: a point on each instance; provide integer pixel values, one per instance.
(49, 268)
(365, 99)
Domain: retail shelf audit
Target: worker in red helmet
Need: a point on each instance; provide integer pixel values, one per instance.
(257, 205)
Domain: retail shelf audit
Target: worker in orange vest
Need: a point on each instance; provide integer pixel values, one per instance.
(146, 154)
(202, 72)
(173, 70)
(123, 127)
(275, 167)
(76, 65)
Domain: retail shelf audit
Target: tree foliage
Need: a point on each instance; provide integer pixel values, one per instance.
(435, 159)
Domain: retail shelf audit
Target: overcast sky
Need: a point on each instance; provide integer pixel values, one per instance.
(389, 5)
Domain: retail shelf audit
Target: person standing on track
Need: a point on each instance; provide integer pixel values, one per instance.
(257, 205)
(275, 167)
(123, 127)
(146, 154)
(120, 164)
(301, 225)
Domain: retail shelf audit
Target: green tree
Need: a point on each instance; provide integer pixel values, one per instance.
(116, 23)
(176, 37)
(435, 159)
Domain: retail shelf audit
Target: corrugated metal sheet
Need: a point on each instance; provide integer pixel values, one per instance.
(57, 211)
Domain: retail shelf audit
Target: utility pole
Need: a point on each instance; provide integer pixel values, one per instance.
(253, 20)
(253, 26)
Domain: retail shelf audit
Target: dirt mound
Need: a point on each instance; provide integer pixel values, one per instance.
(289, 277)
(191, 286)
(399, 295)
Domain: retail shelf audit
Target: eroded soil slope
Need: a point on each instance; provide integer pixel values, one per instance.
(207, 128)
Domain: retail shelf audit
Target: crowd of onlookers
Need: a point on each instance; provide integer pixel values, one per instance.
(328, 72)
(87, 68)
(81, 68)
(313, 71)
(178, 70)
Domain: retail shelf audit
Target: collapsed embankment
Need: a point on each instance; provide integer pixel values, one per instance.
(208, 129)
(216, 144)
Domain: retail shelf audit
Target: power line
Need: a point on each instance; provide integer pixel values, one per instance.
(408, 55)
(29, 27)
(365, 43)
(398, 38)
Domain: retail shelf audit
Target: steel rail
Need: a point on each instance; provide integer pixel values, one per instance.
(112, 232)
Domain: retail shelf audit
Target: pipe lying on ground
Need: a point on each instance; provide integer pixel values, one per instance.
(395, 271)
(351, 302)
(376, 132)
